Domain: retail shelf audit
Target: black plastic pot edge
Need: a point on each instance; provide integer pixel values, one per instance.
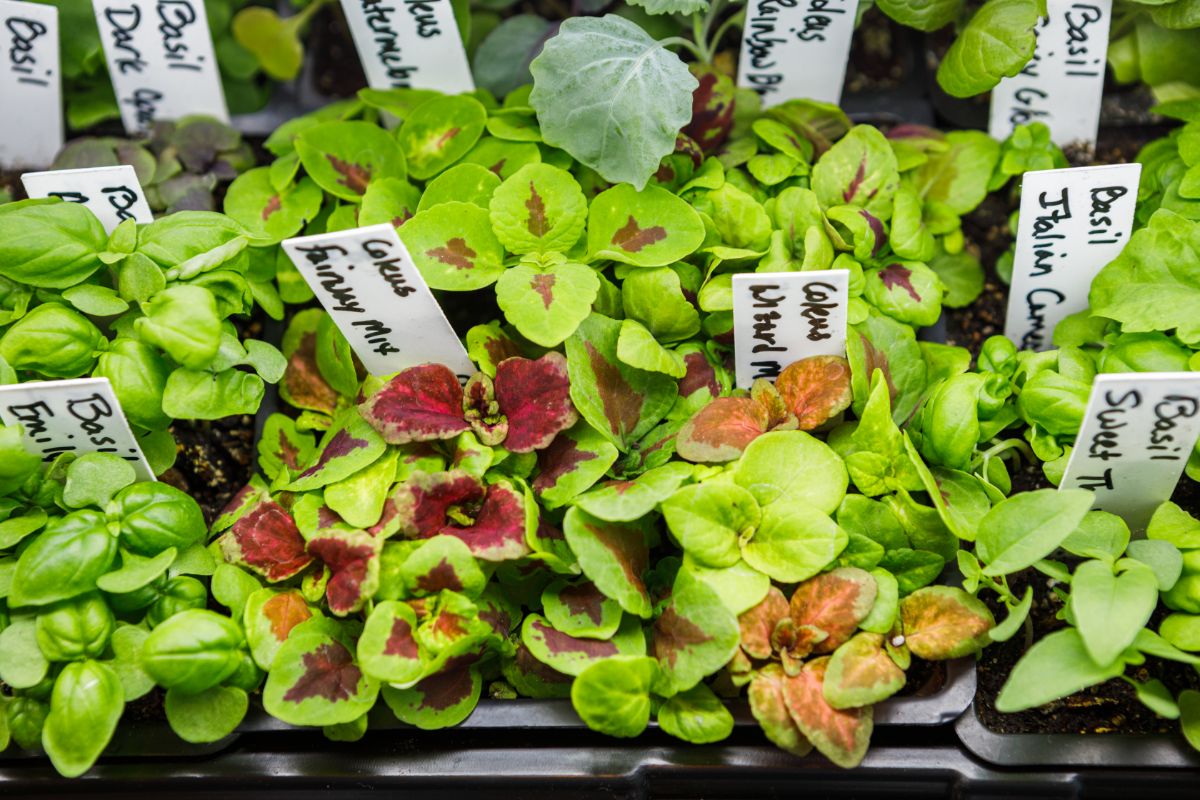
(1073, 750)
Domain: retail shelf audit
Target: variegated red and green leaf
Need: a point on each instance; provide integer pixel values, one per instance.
(535, 397)
(574, 461)
(712, 107)
(353, 560)
(498, 532)
(443, 562)
(539, 209)
(580, 609)
(419, 404)
(614, 556)
(242, 503)
(314, 680)
(347, 447)
(758, 624)
(488, 345)
(816, 389)
(532, 678)
(861, 673)
(303, 386)
(451, 628)
(573, 654)
(441, 700)
(482, 412)
(388, 649)
(650, 228)
(628, 500)
(454, 247)
(721, 430)
(265, 540)
(835, 602)
(841, 736)
(769, 706)
(943, 622)
(268, 620)
(423, 504)
(694, 635)
(283, 450)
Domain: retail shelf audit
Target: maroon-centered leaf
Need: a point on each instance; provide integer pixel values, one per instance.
(816, 389)
(353, 560)
(694, 635)
(898, 275)
(561, 644)
(573, 654)
(712, 107)
(543, 284)
(835, 602)
(303, 385)
(770, 708)
(721, 430)
(614, 556)
(861, 673)
(943, 622)
(449, 686)
(419, 404)
(440, 700)
(841, 735)
(559, 459)
(455, 252)
(632, 237)
(498, 532)
(532, 678)
(266, 540)
(329, 673)
(758, 624)
(535, 397)
(354, 177)
(700, 375)
(423, 503)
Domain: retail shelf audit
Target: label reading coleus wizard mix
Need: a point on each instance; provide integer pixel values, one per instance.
(113, 194)
(31, 129)
(366, 280)
(781, 317)
(1137, 434)
(409, 44)
(1063, 83)
(79, 416)
(1072, 223)
(796, 49)
(160, 57)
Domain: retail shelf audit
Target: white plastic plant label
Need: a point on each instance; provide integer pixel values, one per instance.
(1072, 223)
(1137, 434)
(366, 280)
(781, 317)
(113, 194)
(161, 60)
(409, 44)
(1063, 83)
(31, 129)
(81, 416)
(796, 49)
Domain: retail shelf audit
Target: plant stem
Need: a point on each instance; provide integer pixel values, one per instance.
(738, 19)
(684, 43)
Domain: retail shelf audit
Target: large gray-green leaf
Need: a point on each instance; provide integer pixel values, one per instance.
(671, 6)
(611, 96)
(501, 63)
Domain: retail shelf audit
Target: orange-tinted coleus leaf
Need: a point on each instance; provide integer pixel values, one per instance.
(943, 622)
(721, 430)
(353, 561)
(815, 389)
(303, 385)
(758, 624)
(842, 735)
(769, 706)
(834, 602)
(490, 520)
(861, 672)
(265, 540)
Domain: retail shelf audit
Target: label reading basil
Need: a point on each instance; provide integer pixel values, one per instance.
(31, 129)
(73, 416)
(366, 280)
(161, 60)
(796, 49)
(409, 44)
(1063, 83)
(781, 317)
(113, 194)
(1072, 223)
(1137, 434)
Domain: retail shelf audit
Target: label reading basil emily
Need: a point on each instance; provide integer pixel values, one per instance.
(796, 49)
(1137, 434)
(31, 129)
(72, 416)
(113, 194)
(781, 317)
(1062, 85)
(1072, 223)
(161, 61)
(366, 280)
(409, 44)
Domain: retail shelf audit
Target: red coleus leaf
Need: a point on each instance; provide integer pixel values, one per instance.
(700, 375)
(329, 673)
(419, 404)
(557, 460)
(400, 640)
(758, 624)
(816, 389)
(423, 502)
(266, 540)
(353, 561)
(943, 622)
(835, 602)
(842, 736)
(535, 397)
(285, 611)
(498, 533)
(769, 706)
(559, 644)
(721, 430)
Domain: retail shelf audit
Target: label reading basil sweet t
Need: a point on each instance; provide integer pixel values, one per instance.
(1137, 434)
(31, 127)
(1063, 83)
(796, 49)
(113, 194)
(409, 44)
(1072, 223)
(366, 280)
(73, 416)
(160, 57)
(781, 317)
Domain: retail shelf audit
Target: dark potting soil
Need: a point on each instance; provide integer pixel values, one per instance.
(877, 55)
(337, 72)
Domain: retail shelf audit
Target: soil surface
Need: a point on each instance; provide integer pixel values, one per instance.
(879, 56)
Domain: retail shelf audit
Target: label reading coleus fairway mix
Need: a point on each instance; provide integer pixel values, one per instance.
(31, 129)
(796, 49)
(113, 194)
(160, 57)
(409, 44)
(1137, 434)
(1072, 223)
(781, 317)
(366, 280)
(1063, 83)
(73, 416)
